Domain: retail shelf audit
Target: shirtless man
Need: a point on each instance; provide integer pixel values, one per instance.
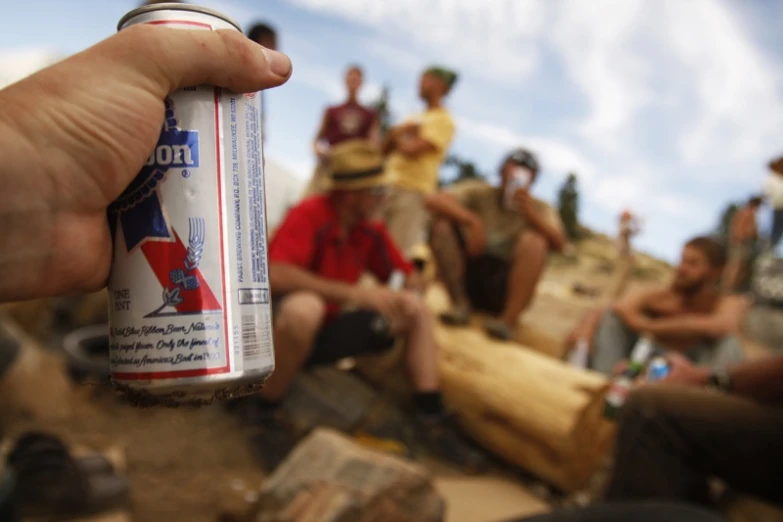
(743, 233)
(690, 316)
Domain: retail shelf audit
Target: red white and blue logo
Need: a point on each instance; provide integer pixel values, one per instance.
(138, 213)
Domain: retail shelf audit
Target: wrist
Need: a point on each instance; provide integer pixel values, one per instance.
(717, 379)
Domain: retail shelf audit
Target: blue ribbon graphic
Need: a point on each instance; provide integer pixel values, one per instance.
(139, 208)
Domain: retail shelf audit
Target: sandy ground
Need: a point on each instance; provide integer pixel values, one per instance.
(192, 464)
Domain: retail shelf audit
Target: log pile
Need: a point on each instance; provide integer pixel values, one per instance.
(531, 409)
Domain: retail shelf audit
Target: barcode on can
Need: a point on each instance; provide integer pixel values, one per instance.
(256, 337)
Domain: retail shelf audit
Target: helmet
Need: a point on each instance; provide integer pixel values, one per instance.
(523, 158)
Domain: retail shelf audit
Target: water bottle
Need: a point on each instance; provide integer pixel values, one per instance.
(621, 385)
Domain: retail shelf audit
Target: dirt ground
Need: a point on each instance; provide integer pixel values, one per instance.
(193, 464)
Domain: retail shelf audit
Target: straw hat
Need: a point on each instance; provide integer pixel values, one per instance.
(354, 165)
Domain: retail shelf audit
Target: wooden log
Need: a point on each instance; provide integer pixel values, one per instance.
(531, 409)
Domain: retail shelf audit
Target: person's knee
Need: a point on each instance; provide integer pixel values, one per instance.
(531, 242)
(300, 316)
(413, 308)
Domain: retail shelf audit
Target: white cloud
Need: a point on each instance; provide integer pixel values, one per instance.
(16, 64)
(555, 156)
(740, 112)
(492, 37)
(594, 40)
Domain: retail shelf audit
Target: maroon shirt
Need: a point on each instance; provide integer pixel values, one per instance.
(346, 122)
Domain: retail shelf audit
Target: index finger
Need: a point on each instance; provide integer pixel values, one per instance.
(175, 58)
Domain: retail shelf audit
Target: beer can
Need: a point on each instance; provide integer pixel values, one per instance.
(189, 297)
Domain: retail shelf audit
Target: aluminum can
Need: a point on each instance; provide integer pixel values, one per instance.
(189, 297)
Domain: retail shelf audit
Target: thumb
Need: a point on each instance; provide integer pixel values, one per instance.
(173, 58)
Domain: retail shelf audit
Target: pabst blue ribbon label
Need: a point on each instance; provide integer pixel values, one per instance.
(189, 291)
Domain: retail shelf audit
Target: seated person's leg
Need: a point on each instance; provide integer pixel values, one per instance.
(671, 439)
(718, 354)
(421, 360)
(406, 218)
(297, 320)
(526, 269)
(448, 249)
(630, 512)
(612, 343)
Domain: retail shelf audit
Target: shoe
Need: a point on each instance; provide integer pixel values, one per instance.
(498, 330)
(272, 439)
(443, 438)
(456, 317)
(50, 482)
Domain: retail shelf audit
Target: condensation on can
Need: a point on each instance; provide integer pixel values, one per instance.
(189, 297)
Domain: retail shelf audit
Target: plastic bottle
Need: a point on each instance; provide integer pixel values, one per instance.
(622, 384)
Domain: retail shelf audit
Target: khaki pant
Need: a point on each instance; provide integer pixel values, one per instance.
(672, 438)
(406, 218)
(614, 341)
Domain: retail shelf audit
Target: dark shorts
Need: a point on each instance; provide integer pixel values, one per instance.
(486, 279)
(350, 334)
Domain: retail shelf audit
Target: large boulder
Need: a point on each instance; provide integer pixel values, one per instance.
(330, 478)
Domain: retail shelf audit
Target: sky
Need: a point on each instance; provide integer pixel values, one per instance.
(671, 108)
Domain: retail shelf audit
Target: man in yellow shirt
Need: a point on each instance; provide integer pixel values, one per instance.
(416, 149)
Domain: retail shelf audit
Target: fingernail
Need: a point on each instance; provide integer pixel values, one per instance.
(279, 63)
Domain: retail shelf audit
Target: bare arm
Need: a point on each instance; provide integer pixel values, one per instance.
(448, 206)
(554, 235)
(286, 278)
(631, 308)
(761, 380)
(723, 321)
(413, 147)
(550, 229)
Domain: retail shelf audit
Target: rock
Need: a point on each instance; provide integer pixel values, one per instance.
(328, 397)
(35, 384)
(330, 478)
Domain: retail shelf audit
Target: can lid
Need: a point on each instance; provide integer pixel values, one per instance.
(174, 7)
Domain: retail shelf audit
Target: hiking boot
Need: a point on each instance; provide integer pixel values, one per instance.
(443, 437)
(498, 330)
(272, 439)
(456, 317)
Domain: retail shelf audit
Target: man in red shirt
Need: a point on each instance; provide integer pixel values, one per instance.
(340, 123)
(323, 315)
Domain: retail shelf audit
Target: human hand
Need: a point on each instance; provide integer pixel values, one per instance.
(74, 135)
(523, 201)
(384, 301)
(682, 371)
